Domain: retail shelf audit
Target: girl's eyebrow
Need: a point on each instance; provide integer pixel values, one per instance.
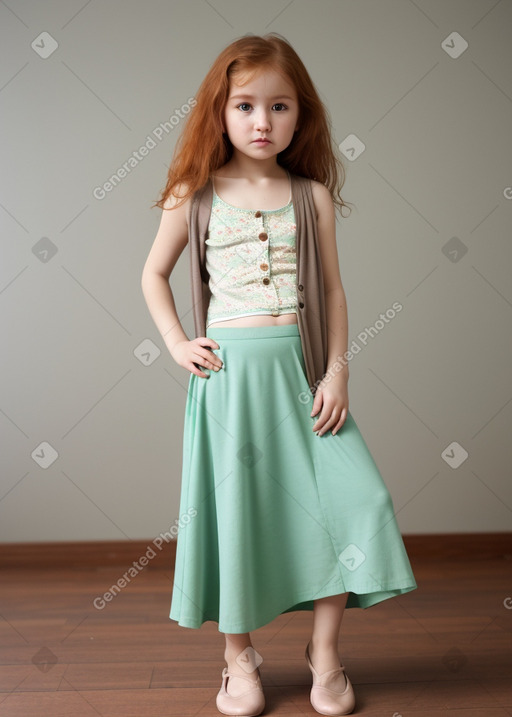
(251, 97)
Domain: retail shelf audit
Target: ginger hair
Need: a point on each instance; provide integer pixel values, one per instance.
(202, 147)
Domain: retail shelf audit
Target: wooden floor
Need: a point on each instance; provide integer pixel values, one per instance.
(445, 648)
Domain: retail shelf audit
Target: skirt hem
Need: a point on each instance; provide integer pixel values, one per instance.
(361, 600)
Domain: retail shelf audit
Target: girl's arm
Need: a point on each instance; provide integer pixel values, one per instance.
(171, 239)
(332, 394)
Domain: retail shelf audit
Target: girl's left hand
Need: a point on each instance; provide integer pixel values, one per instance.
(331, 399)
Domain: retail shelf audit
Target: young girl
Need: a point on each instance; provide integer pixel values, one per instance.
(286, 507)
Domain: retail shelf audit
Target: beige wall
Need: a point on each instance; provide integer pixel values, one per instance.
(434, 177)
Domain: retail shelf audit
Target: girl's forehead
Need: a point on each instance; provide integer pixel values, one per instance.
(258, 78)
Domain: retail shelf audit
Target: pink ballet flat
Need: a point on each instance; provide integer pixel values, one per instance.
(324, 699)
(248, 704)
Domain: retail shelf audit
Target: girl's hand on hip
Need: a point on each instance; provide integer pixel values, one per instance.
(331, 399)
(193, 354)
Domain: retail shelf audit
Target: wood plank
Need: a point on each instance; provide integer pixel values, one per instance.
(445, 648)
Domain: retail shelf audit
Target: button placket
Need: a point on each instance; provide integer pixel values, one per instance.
(264, 259)
(265, 264)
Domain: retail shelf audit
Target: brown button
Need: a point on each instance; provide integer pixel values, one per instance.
(264, 267)
(301, 305)
(300, 287)
(258, 215)
(266, 280)
(263, 236)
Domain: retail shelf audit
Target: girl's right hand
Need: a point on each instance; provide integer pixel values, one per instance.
(195, 353)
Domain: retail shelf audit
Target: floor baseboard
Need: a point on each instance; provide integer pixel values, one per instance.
(158, 553)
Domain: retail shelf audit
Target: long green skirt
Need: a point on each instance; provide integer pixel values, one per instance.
(272, 516)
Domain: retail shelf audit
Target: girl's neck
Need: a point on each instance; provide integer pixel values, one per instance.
(253, 170)
(253, 193)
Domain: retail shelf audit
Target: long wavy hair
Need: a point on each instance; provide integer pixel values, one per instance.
(202, 147)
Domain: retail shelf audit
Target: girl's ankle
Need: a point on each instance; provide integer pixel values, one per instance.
(324, 657)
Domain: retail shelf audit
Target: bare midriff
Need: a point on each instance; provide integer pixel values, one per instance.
(259, 320)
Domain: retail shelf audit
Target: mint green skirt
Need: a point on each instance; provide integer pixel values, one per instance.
(272, 516)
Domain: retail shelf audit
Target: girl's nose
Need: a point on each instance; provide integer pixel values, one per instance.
(262, 120)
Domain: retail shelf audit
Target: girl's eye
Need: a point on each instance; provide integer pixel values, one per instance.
(247, 106)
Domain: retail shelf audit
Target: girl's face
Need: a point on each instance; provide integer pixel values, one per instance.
(264, 108)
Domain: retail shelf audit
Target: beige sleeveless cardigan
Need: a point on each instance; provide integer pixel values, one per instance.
(311, 312)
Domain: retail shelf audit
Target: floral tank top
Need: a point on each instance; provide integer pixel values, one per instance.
(251, 261)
